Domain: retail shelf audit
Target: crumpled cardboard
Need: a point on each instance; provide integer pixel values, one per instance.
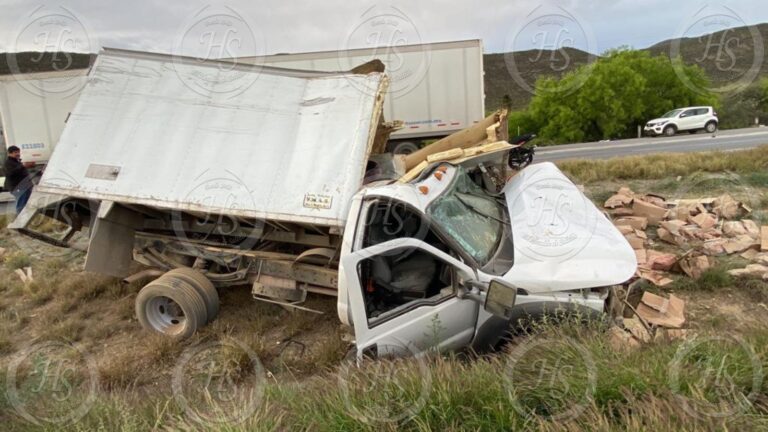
(662, 312)
(636, 222)
(654, 214)
(754, 270)
(694, 266)
(623, 197)
(654, 277)
(660, 261)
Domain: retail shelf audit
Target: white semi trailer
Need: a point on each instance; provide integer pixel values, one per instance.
(34, 108)
(267, 187)
(436, 89)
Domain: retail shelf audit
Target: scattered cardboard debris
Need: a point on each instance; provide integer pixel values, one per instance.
(635, 241)
(636, 222)
(702, 228)
(728, 208)
(756, 270)
(622, 198)
(637, 329)
(662, 312)
(660, 261)
(764, 238)
(750, 255)
(653, 213)
(654, 277)
(704, 220)
(670, 334)
(642, 256)
(694, 266)
(621, 340)
(25, 275)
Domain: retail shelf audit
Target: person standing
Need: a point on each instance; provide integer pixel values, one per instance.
(17, 178)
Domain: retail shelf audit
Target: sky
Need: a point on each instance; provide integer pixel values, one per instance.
(235, 28)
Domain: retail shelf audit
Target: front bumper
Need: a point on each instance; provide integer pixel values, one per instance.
(654, 130)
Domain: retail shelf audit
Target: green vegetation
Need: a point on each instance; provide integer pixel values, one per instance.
(610, 98)
(752, 163)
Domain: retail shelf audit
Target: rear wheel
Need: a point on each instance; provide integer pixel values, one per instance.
(171, 307)
(711, 127)
(202, 285)
(670, 130)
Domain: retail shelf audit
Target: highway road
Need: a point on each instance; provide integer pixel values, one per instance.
(724, 140)
(729, 140)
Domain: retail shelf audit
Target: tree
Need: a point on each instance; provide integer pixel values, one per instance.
(611, 97)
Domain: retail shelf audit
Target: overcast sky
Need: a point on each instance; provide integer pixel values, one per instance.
(253, 27)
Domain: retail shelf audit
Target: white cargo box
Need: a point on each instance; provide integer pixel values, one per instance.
(188, 135)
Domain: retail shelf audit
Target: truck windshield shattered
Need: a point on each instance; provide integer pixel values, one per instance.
(472, 218)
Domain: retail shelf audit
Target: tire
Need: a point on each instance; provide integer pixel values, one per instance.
(202, 285)
(171, 307)
(711, 127)
(670, 131)
(404, 148)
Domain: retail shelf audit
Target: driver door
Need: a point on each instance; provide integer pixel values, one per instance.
(440, 320)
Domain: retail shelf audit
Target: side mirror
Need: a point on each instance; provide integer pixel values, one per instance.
(500, 298)
(683, 115)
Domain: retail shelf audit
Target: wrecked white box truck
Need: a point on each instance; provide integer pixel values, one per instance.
(211, 175)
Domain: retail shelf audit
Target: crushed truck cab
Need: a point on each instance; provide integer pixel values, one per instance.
(418, 258)
(199, 176)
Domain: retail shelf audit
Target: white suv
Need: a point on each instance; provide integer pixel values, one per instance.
(692, 119)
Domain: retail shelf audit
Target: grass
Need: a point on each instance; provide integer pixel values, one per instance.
(753, 163)
(304, 383)
(528, 387)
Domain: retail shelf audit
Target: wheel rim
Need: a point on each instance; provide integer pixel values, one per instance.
(669, 131)
(710, 127)
(165, 315)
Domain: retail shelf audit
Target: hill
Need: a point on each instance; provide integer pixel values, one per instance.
(740, 55)
(510, 77)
